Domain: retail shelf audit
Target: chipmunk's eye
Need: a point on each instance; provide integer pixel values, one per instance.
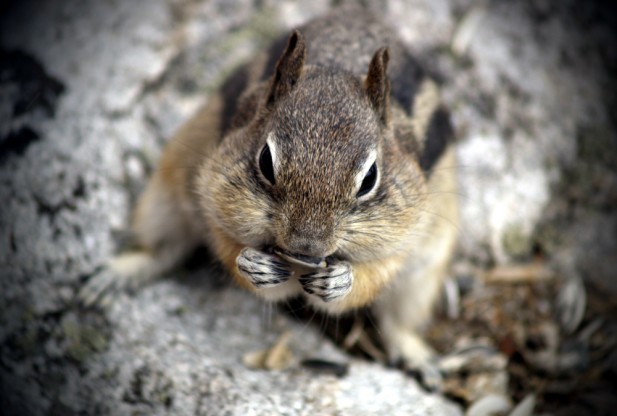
(265, 164)
(369, 181)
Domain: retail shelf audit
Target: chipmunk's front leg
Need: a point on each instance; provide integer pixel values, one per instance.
(329, 283)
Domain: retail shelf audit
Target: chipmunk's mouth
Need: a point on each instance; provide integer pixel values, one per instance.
(301, 259)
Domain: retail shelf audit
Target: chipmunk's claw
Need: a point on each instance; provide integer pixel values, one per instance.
(124, 272)
(262, 269)
(99, 288)
(427, 374)
(329, 283)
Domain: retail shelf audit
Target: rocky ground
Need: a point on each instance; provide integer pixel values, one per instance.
(90, 91)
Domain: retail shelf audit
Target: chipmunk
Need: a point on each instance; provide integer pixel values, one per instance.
(322, 169)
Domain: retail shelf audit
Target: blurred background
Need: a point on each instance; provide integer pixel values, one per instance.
(91, 90)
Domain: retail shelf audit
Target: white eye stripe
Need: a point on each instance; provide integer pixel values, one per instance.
(271, 142)
(366, 166)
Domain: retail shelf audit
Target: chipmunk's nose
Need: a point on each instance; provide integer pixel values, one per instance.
(307, 247)
(306, 232)
(307, 242)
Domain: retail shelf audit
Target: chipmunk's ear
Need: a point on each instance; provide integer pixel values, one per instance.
(288, 68)
(377, 84)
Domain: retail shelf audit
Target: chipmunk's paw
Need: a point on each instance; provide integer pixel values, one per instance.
(408, 351)
(427, 373)
(329, 283)
(99, 289)
(124, 272)
(262, 269)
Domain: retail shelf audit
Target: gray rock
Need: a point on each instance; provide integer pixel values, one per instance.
(90, 94)
(522, 105)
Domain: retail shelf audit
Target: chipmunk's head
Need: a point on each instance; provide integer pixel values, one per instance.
(316, 154)
(323, 132)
